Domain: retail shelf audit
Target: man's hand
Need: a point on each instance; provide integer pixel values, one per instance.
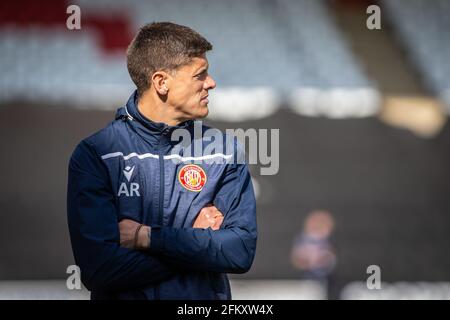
(209, 216)
(128, 229)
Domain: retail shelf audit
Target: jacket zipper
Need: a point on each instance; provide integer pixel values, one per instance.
(160, 202)
(161, 187)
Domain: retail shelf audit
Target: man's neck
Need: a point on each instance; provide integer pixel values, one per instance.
(157, 111)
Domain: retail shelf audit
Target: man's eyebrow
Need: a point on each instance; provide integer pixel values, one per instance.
(202, 69)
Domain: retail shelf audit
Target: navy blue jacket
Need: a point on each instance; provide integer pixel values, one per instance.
(128, 170)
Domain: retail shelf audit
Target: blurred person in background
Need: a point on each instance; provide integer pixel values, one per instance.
(143, 226)
(312, 253)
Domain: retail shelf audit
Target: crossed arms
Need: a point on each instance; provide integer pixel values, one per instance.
(102, 248)
(136, 236)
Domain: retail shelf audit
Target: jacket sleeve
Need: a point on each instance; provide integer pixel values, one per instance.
(94, 230)
(230, 249)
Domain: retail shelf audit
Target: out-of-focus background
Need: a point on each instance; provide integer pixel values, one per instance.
(364, 174)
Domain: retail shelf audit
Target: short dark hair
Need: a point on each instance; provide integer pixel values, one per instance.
(162, 46)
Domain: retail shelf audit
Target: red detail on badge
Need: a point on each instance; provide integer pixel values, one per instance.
(192, 177)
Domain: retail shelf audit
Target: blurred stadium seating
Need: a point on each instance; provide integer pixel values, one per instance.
(41, 60)
(423, 27)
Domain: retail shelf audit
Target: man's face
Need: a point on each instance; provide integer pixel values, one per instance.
(189, 87)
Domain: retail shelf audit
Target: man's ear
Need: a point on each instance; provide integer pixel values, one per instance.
(159, 81)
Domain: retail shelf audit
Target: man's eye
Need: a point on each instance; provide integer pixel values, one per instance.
(201, 75)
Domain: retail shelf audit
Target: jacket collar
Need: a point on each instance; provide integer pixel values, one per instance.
(131, 112)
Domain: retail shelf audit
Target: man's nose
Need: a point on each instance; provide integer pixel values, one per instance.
(210, 83)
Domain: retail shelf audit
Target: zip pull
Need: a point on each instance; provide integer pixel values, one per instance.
(166, 131)
(128, 115)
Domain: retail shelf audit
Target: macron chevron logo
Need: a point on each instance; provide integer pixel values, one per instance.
(128, 172)
(133, 188)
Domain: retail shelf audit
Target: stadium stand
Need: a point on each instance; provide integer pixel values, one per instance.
(264, 56)
(428, 47)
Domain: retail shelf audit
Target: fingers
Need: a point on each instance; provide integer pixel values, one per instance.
(209, 217)
(217, 223)
(211, 213)
(211, 210)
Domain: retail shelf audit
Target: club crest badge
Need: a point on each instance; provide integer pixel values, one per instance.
(192, 177)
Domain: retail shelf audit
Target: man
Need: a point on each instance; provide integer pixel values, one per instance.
(142, 225)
